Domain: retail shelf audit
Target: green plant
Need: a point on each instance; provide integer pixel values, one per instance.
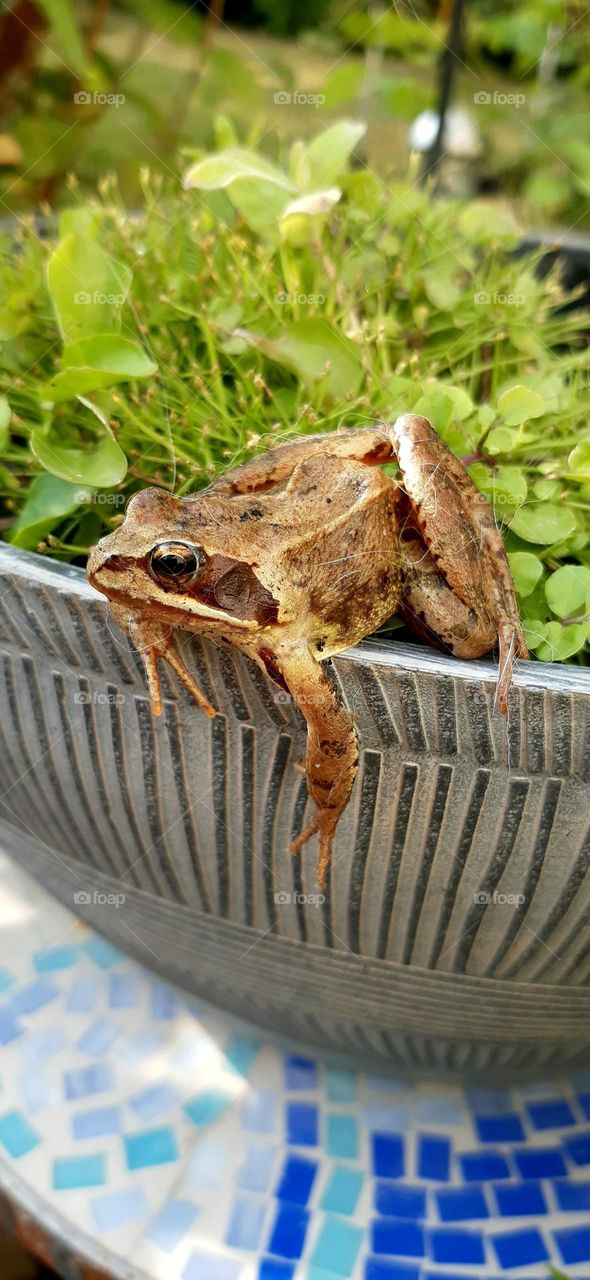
(276, 299)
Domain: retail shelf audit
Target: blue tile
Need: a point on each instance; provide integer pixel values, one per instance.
(123, 991)
(43, 1044)
(520, 1200)
(444, 1108)
(154, 1100)
(393, 1117)
(342, 1137)
(240, 1053)
(170, 1224)
(207, 1106)
(70, 1173)
(81, 1082)
(272, 1269)
(256, 1171)
(37, 1090)
(484, 1166)
(102, 953)
(82, 996)
(35, 995)
(540, 1162)
(119, 1208)
(573, 1244)
(341, 1085)
(211, 1265)
(520, 1248)
(489, 1102)
(98, 1038)
(259, 1111)
(506, 1128)
(287, 1237)
(397, 1236)
(97, 1123)
(300, 1073)
(150, 1147)
(458, 1204)
(578, 1147)
(342, 1190)
(10, 1027)
(296, 1180)
(55, 958)
(584, 1101)
(16, 1134)
(6, 980)
(378, 1269)
(572, 1197)
(555, 1113)
(388, 1155)
(246, 1220)
(163, 1002)
(434, 1157)
(337, 1246)
(302, 1124)
(399, 1200)
(454, 1275)
(450, 1244)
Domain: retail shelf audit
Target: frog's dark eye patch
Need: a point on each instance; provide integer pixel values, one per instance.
(174, 564)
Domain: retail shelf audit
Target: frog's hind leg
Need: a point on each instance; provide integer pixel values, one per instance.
(371, 445)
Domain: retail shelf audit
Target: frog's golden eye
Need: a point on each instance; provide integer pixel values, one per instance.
(174, 564)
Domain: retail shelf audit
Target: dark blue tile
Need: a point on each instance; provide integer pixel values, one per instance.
(554, 1113)
(453, 1245)
(271, 1269)
(296, 1180)
(288, 1233)
(377, 1269)
(457, 1204)
(584, 1101)
(388, 1155)
(521, 1200)
(302, 1124)
(579, 1147)
(300, 1073)
(572, 1197)
(540, 1162)
(434, 1157)
(484, 1166)
(574, 1244)
(506, 1128)
(395, 1200)
(397, 1236)
(520, 1248)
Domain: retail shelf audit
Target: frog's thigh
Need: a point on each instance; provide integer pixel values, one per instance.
(370, 446)
(434, 612)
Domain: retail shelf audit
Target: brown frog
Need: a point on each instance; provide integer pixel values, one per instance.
(299, 554)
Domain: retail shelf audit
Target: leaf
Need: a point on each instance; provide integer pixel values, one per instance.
(518, 404)
(441, 286)
(316, 352)
(560, 643)
(88, 288)
(437, 407)
(100, 467)
(216, 172)
(500, 440)
(96, 362)
(543, 523)
(316, 202)
(66, 34)
(329, 152)
(5, 414)
(48, 501)
(343, 84)
(526, 570)
(579, 460)
(567, 590)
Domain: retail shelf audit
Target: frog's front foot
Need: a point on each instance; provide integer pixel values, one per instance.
(154, 640)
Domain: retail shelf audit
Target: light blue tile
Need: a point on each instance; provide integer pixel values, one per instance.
(206, 1107)
(56, 958)
(337, 1246)
(246, 1221)
(70, 1173)
(98, 1038)
(37, 1091)
(82, 996)
(341, 1085)
(154, 1100)
(256, 1173)
(212, 1266)
(163, 1002)
(259, 1111)
(342, 1136)
(394, 1118)
(82, 1082)
(144, 1044)
(207, 1164)
(171, 1224)
(441, 1109)
(119, 1208)
(40, 1045)
(97, 1123)
(240, 1052)
(151, 1147)
(35, 995)
(342, 1191)
(6, 980)
(16, 1134)
(10, 1028)
(123, 991)
(102, 953)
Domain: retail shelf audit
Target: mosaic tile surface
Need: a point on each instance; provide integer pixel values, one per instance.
(196, 1150)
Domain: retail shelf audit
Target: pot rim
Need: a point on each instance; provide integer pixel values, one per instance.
(552, 677)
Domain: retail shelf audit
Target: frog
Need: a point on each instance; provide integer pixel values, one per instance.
(299, 554)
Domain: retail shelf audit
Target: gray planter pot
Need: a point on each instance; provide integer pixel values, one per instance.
(454, 932)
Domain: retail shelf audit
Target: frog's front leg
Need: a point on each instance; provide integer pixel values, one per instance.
(331, 756)
(154, 640)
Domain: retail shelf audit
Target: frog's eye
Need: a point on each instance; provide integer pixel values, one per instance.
(174, 563)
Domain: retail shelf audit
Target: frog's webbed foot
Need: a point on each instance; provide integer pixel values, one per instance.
(154, 640)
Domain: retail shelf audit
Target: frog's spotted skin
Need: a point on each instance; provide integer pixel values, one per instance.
(301, 553)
